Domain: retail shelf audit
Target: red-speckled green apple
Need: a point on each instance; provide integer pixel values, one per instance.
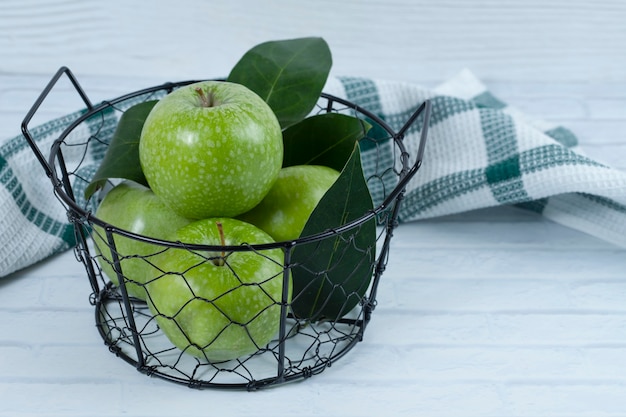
(211, 149)
(288, 205)
(134, 208)
(219, 306)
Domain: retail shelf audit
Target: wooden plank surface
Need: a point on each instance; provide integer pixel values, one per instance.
(535, 40)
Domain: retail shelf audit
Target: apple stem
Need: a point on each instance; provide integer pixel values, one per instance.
(206, 99)
(220, 229)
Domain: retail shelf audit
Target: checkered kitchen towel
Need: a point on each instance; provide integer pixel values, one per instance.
(480, 153)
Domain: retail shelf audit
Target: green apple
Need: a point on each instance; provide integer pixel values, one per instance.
(211, 149)
(219, 306)
(134, 208)
(288, 205)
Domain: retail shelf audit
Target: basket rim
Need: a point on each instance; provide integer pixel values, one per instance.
(63, 189)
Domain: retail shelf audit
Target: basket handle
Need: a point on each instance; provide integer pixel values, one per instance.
(424, 108)
(33, 110)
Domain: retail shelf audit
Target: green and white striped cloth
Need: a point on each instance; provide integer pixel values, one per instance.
(480, 153)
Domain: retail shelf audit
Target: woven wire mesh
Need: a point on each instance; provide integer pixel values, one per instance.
(129, 318)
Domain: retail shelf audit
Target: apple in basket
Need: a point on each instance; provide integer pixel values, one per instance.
(288, 205)
(219, 305)
(134, 208)
(211, 148)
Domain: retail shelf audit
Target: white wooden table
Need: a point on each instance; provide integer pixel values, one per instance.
(491, 313)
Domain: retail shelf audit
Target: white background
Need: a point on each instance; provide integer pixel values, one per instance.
(492, 313)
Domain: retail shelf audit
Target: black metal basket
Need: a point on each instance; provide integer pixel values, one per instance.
(302, 347)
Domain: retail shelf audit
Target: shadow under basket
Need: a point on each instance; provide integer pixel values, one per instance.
(303, 345)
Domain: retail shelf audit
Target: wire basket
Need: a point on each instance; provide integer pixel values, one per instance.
(302, 346)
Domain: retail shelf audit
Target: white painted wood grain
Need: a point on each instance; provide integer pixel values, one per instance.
(538, 40)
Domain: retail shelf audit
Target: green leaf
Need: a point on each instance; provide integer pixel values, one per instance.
(331, 276)
(288, 74)
(325, 139)
(122, 156)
